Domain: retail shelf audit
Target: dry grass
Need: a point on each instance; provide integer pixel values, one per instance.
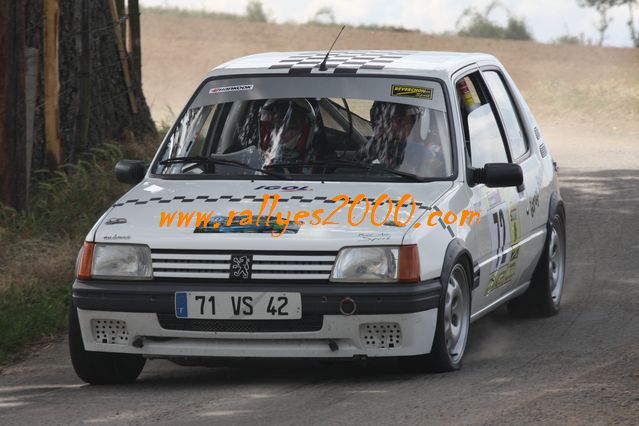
(584, 98)
(38, 247)
(37, 260)
(613, 101)
(576, 82)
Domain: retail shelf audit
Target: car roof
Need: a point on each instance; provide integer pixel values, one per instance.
(402, 62)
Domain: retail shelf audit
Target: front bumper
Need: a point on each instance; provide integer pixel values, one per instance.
(390, 320)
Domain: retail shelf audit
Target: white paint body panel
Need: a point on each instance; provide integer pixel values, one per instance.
(142, 221)
(418, 330)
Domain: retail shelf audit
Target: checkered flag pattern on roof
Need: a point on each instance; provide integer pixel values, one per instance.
(339, 62)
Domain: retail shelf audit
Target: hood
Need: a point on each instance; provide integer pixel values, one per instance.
(136, 217)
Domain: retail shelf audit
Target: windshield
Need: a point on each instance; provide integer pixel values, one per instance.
(247, 134)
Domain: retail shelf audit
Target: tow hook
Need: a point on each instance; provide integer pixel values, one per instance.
(138, 342)
(332, 344)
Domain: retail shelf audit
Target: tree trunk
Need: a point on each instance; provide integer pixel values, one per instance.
(52, 82)
(120, 44)
(4, 102)
(13, 176)
(94, 98)
(134, 39)
(82, 89)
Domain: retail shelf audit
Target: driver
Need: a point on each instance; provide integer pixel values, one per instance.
(286, 131)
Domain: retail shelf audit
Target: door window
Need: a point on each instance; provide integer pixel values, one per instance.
(486, 144)
(512, 125)
(484, 141)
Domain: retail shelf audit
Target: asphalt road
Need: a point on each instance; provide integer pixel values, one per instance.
(581, 366)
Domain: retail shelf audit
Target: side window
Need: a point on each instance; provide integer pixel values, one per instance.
(485, 142)
(512, 125)
(486, 145)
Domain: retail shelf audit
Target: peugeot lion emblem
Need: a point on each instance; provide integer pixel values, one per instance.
(240, 267)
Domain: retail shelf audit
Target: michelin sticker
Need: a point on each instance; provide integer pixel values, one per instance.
(237, 88)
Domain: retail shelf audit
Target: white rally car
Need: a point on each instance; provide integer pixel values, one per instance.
(384, 151)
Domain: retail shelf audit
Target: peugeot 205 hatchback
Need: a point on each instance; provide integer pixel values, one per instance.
(313, 206)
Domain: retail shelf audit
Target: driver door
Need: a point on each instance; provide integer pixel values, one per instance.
(499, 230)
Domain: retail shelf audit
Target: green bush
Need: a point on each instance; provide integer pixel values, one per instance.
(68, 199)
(29, 312)
(38, 247)
(323, 16)
(255, 11)
(479, 24)
(569, 39)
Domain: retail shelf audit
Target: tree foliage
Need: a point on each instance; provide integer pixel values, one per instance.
(324, 15)
(255, 11)
(475, 23)
(603, 7)
(634, 31)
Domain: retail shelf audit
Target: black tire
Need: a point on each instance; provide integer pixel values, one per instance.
(100, 368)
(440, 359)
(542, 298)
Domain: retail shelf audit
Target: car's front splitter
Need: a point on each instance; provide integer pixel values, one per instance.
(340, 336)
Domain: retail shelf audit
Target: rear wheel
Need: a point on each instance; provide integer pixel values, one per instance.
(100, 368)
(453, 323)
(543, 297)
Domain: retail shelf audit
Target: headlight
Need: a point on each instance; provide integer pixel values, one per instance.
(377, 264)
(125, 261)
(366, 264)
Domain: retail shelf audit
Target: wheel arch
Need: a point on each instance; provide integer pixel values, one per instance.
(556, 205)
(457, 249)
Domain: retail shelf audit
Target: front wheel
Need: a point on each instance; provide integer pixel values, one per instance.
(453, 323)
(100, 368)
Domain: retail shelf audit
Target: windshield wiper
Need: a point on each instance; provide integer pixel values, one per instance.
(225, 162)
(398, 173)
(179, 160)
(354, 164)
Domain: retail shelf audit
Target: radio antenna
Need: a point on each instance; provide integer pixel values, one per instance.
(322, 66)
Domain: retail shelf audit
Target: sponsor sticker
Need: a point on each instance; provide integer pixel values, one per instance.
(286, 188)
(153, 189)
(374, 236)
(411, 91)
(243, 224)
(237, 88)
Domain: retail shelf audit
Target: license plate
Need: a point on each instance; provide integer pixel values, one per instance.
(240, 305)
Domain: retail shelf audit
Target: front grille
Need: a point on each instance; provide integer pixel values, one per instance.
(306, 323)
(264, 265)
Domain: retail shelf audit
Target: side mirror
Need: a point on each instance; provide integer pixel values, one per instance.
(130, 171)
(497, 175)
